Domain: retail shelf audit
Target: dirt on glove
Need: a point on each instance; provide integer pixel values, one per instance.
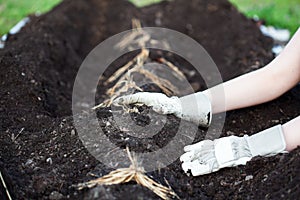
(41, 155)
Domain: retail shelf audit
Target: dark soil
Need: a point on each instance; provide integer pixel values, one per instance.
(41, 157)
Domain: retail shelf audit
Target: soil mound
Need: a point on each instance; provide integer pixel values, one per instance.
(41, 156)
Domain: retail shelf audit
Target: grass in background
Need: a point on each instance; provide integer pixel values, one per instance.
(279, 13)
(12, 11)
(141, 3)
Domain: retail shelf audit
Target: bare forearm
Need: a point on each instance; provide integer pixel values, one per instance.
(262, 85)
(291, 131)
(247, 90)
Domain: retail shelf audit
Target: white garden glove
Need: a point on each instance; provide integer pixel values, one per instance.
(194, 108)
(210, 156)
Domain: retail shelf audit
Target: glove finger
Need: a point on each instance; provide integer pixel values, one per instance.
(163, 109)
(202, 169)
(193, 147)
(186, 166)
(203, 155)
(159, 109)
(199, 145)
(146, 98)
(128, 99)
(187, 157)
(196, 168)
(207, 157)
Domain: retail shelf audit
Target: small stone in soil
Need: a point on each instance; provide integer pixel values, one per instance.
(249, 177)
(49, 160)
(55, 195)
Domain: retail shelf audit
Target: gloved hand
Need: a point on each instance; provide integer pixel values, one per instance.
(194, 108)
(210, 156)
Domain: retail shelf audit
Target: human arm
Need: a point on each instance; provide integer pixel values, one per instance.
(262, 85)
(291, 131)
(209, 156)
(250, 89)
(253, 88)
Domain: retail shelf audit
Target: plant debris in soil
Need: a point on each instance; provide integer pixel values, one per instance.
(125, 175)
(41, 155)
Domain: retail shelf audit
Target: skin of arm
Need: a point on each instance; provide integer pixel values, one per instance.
(292, 134)
(264, 85)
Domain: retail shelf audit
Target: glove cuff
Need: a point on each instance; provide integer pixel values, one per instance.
(231, 151)
(196, 108)
(268, 142)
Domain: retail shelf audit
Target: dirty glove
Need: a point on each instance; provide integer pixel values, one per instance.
(194, 108)
(210, 156)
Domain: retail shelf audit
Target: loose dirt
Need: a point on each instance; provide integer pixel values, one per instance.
(41, 156)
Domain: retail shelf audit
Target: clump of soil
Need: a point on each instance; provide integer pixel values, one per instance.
(41, 156)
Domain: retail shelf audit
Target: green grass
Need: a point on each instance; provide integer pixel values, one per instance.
(279, 13)
(141, 3)
(12, 11)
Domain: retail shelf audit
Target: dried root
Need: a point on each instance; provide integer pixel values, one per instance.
(133, 173)
(5, 187)
(137, 36)
(125, 82)
(167, 87)
(140, 59)
(125, 74)
(178, 73)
